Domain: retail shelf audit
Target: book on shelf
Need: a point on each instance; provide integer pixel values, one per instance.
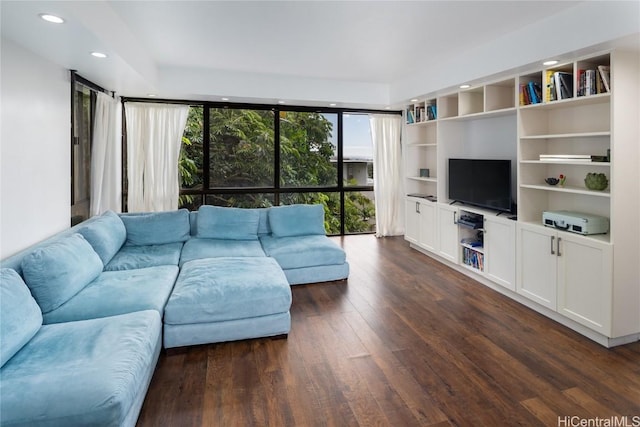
(432, 112)
(550, 92)
(535, 92)
(530, 93)
(420, 117)
(563, 84)
(473, 258)
(410, 117)
(593, 81)
(605, 76)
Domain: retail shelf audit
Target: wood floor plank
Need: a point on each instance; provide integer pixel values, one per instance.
(405, 341)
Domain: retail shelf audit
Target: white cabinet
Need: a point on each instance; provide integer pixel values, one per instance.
(428, 232)
(537, 261)
(500, 250)
(448, 241)
(585, 281)
(412, 220)
(420, 227)
(568, 273)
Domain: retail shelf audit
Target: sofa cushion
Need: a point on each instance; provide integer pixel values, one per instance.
(218, 248)
(263, 226)
(119, 292)
(21, 317)
(297, 220)
(58, 270)
(303, 251)
(131, 257)
(87, 373)
(221, 289)
(215, 222)
(106, 234)
(157, 228)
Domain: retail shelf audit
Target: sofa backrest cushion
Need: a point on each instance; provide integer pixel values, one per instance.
(297, 220)
(21, 317)
(56, 271)
(157, 228)
(106, 234)
(216, 222)
(263, 225)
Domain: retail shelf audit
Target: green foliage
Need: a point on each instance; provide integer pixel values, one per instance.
(241, 154)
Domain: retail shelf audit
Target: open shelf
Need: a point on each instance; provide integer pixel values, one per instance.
(423, 179)
(565, 189)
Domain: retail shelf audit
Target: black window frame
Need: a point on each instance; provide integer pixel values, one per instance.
(76, 79)
(276, 189)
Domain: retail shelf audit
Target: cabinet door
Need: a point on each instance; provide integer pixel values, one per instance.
(428, 226)
(537, 264)
(412, 220)
(585, 281)
(500, 250)
(448, 232)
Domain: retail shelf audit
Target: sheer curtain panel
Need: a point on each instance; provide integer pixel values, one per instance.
(387, 174)
(106, 158)
(154, 138)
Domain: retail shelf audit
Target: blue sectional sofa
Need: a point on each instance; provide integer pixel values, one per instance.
(85, 313)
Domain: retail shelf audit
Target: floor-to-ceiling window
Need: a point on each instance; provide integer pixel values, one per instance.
(262, 155)
(83, 105)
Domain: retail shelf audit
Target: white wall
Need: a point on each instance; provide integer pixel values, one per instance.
(35, 168)
(592, 25)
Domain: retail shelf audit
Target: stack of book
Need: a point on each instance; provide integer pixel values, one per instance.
(572, 158)
(410, 118)
(432, 113)
(592, 82)
(530, 93)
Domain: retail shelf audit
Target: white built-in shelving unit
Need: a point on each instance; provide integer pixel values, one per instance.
(569, 277)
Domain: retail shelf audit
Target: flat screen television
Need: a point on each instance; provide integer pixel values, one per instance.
(481, 182)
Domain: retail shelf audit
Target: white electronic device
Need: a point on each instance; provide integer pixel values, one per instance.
(576, 222)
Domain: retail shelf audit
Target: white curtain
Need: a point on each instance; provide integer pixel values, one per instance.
(154, 138)
(387, 174)
(106, 158)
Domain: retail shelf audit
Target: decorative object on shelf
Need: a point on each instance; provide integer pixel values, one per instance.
(596, 181)
(551, 180)
(563, 178)
(424, 173)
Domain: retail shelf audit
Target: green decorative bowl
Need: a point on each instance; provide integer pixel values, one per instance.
(596, 181)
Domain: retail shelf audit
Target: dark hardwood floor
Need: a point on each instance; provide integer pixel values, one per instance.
(406, 341)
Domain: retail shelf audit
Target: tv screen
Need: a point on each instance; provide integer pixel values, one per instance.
(481, 182)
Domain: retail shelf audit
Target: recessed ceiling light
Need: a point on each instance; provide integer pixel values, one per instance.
(332, 105)
(51, 18)
(225, 99)
(151, 95)
(387, 108)
(413, 100)
(280, 102)
(552, 62)
(465, 86)
(98, 54)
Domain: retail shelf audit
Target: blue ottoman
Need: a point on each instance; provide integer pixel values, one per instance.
(227, 299)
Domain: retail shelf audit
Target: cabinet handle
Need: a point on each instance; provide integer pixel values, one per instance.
(455, 221)
(417, 207)
(558, 246)
(552, 239)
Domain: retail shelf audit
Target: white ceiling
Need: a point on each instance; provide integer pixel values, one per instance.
(360, 46)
